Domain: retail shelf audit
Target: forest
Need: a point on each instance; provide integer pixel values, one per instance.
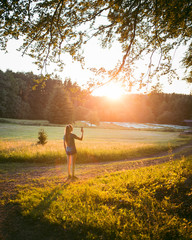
(28, 96)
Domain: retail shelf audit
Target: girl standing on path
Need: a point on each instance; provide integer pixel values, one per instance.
(70, 149)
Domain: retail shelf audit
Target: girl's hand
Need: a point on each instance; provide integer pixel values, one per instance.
(82, 129)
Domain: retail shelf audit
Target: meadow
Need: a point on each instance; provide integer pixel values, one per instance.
(18, 143)
(107, 201)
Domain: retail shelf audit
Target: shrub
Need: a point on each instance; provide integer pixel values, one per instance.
(42, 136)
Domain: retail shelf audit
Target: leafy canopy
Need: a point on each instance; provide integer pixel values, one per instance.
(142, 27)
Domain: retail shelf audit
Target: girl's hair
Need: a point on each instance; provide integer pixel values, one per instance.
(68, 130)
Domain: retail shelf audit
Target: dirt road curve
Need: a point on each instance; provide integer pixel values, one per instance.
(28, 173)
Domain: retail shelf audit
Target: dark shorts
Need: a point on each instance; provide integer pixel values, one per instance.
(71, 151)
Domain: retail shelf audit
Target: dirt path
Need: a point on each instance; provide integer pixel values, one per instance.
(20, 175)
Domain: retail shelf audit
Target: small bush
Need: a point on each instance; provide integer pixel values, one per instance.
(42, 136)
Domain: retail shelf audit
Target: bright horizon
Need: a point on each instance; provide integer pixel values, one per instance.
(96, 57)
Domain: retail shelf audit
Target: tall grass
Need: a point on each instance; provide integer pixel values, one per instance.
(53, 151)
(149, 203)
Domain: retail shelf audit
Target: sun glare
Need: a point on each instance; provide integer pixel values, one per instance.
(112, 91)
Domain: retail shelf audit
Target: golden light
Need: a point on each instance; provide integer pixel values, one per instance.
(112, 91)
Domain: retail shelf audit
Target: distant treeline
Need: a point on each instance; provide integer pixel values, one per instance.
(28, 96)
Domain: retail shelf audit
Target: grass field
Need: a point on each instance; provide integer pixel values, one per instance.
(18, 143)
(105, 203)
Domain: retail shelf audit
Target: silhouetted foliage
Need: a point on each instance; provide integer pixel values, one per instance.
(50, 28)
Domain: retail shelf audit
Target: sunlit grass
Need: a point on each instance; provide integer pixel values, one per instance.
(17, 151)
(88, 151)
(19, 144)
(148, 203)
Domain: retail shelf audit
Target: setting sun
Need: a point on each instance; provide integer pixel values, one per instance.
(112, 91)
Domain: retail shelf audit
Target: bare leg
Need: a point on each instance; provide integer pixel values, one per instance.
(69, 164)
(73, 158)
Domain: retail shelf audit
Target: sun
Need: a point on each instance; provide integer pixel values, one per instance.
(113, 91)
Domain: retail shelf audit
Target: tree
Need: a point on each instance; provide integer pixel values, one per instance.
(42, 136)
(80, 113)
(141, 27)
(41, 90)
(59, 109)
(12, 103)
(77, 94)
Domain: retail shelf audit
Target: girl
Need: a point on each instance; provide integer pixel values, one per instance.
(70, 148)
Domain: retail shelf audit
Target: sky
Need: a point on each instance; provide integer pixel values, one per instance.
(95, 56)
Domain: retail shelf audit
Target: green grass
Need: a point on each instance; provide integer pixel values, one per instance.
(15, 131)
(18, 144)
(24, 121)
(147, 203)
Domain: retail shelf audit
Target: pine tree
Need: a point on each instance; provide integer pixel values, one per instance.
(60, 108)
(42, 136)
